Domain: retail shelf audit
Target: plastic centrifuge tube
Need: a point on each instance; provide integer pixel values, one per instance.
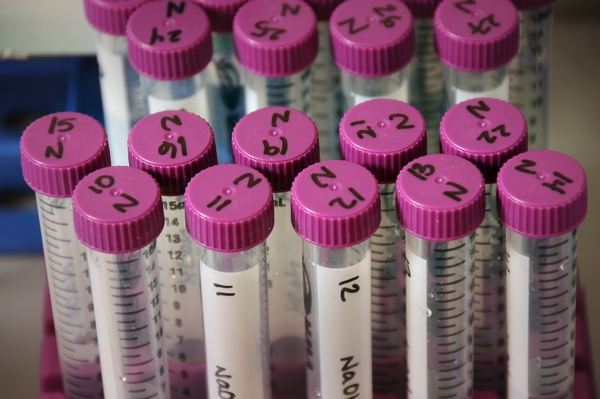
(372, 43)
(280, 142)
(426, 77)
(487, 132)
(440, 204)
(118, 215)
(336, 210)
(170, 46)
(119, 84)
(275, 42)
(542, 199)
(173, 146)
(57, 151)
(476, 40)
(529, 71)
(325, 91)
(383, 135)
(225, 87)
(229, 213)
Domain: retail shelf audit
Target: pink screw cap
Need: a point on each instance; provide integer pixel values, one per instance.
(528, 5)
(172, 146)
(58, 150)
(278, 142)
(229, 208)
(109, 16)
(117, 210)
(542, 194)
(422, 9)
(372, 38)
(335, 204)
(221, 13)
(476, 36)
(169, 40)
(323, 8)
(440, 197)
(383, 135)
(275, 38)
(486, 131)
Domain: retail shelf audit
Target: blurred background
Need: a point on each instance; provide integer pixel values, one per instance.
(39, 74)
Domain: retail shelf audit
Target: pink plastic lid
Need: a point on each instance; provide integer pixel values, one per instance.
(58, 150)
(372, 38)
(323, 8)
(172, 146)
(169, 40)
(422, 9)
(440, 197)
(221, 13)
(476, 35)
(335, 204)
(229, 208)
(117, 210)
(383, 135)
(110, 16)
(529, 5)
(486, 131)
(542, 194)
(278, 142)
(275, 38)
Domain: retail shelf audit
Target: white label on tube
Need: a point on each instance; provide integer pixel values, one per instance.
(500, 92)
(195, 104)
(344, 308)
(232, 329)
(517, 285)
(416, 329)
(113, 85)
(400, 94)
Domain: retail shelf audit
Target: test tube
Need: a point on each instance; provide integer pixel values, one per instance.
(336, 210)
(170, 46)
(542, 199)
(229, 213)
(383, 135)
(440, 204)
(120, 88)
(476, 40)
(426, 77)
(487, 132)
(173, 146)
(279, 142)
(225, 87)
(118, 215)
(325, 89)
(275, 42)
(529, 71)
(372, 43)
(57, 151)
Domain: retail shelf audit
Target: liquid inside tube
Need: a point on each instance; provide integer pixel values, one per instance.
(462, 86)
(358, 90)
(186, 94)
(289, 91)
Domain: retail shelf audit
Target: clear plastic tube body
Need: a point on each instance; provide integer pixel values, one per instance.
(461, 85)
(225, 89)
(325, 96)
(286, 311)
(186, 94)
(541, 285)
(439, 297)
(358, 90)
(289, 91)
(489, 305)
(236, 327)
(129, 319)
(388, 324)
(182, 303)
(122, 100)
(530, 74)
(70, 293)
(427, 82)
(337, 301)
